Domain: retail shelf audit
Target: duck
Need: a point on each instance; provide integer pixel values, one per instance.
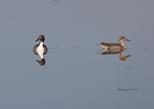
(114, 48)
(40, 49)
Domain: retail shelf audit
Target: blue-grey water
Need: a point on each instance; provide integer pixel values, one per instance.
(76, 75)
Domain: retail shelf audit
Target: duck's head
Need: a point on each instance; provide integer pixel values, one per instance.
(123, 57)
(41, 38)
(41, 62)
(123, 38)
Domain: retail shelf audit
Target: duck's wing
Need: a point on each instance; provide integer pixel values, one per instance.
(111, 48)
(34, 49)
(109, 53)
(45, 49)
(103, 43)
(110, 44)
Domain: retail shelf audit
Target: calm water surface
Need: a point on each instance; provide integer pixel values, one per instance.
(76, 75)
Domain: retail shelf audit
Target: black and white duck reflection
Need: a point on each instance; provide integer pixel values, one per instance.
(40, 49)
(116, 48)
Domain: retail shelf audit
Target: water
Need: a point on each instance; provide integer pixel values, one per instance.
(76, 75)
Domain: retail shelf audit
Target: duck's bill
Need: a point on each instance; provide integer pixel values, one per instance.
(128, 40)
(37, 39)
(128, 55)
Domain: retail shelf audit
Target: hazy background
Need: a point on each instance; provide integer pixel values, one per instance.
(76, 76)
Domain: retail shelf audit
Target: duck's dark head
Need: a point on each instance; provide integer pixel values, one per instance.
(41, 38)
(41, 62)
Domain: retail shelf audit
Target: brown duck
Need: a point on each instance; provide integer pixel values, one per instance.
(116, 48)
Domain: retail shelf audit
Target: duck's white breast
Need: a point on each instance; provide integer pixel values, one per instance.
(40, 50)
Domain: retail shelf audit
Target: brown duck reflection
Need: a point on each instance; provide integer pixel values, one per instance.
(116, 48)
(40, 49)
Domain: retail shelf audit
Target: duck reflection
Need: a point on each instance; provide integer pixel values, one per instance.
(116, 48)
(40, 49)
